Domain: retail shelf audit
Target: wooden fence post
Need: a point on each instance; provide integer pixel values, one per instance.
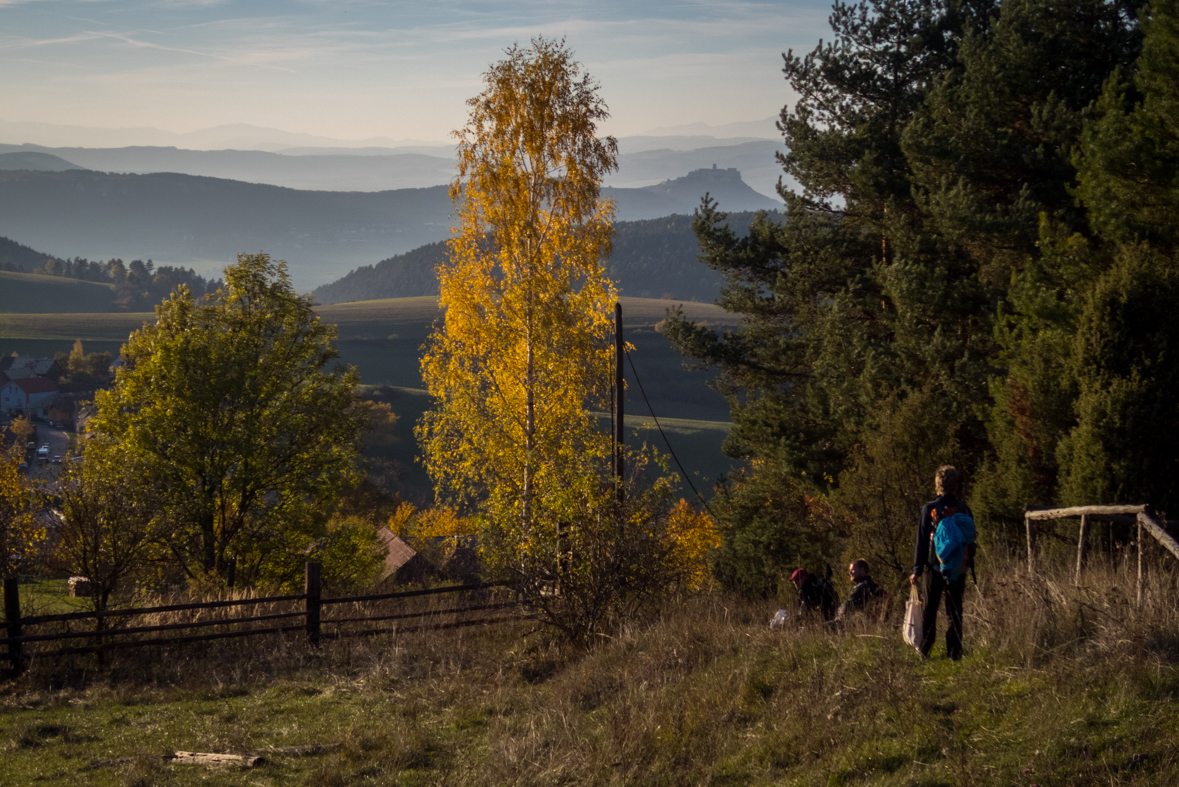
(1140, 534)
(311, 598)
(1081, 545)
(1031, 528)
(12, 621)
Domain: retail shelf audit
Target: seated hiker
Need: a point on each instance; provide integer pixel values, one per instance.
(866, 595)
(815, 594)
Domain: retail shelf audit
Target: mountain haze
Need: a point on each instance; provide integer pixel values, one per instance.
(203, 222)
(34, 161)
(642, 161)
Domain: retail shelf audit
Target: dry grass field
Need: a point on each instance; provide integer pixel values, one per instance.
(1061, 686)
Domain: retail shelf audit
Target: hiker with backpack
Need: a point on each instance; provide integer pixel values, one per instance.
(945, 548)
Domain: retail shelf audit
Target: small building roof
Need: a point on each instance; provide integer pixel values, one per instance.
(35, 385)
(38, 366)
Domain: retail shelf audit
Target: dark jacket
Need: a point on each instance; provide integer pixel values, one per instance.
(817, 595)
(863, 595)
(941, 506)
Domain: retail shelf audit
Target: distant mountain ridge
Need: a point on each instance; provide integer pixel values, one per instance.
(203, 222)
(35, 161)
(642, 161)
(656, 258)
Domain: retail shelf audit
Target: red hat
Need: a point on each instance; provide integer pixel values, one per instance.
(799, 575)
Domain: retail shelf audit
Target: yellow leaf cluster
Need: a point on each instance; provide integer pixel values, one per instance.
(695, 538)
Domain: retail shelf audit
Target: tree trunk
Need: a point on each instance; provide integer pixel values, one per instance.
(529, 432)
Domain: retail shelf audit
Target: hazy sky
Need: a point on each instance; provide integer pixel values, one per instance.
(352, 69)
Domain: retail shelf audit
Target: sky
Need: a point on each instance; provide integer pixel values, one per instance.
(361, 69)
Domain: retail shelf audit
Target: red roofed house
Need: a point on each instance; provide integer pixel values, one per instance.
(24, 396)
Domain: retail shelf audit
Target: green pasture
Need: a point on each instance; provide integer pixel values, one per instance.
(33, 292)
(68, 327)
(697, 444)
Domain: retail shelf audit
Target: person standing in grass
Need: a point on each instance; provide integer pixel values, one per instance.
(926, 570)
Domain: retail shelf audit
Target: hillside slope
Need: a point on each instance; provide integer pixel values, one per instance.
(13, 253)
(35, 161)
(37, 293)
(654, 258)
(1060, 687)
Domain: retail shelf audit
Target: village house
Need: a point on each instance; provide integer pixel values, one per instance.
(19, 367)
(27, 396)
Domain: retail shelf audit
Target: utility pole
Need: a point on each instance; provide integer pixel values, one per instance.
(619, 434)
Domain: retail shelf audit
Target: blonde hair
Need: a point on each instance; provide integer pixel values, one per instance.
(945, 481)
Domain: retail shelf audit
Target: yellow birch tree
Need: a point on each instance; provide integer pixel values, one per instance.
(522, 354)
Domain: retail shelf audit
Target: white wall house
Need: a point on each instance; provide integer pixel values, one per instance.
(23, 397)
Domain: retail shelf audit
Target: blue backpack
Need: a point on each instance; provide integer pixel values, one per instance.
(955, 532)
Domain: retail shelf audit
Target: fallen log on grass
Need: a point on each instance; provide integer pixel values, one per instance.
(251, 759)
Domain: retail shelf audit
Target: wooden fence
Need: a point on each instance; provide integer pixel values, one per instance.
(1141, 515)
(108, 630)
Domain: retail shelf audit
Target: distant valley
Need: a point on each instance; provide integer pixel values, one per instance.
(204, 222)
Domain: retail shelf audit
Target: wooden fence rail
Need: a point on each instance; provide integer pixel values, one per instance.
(305, 612)
(1141, 515)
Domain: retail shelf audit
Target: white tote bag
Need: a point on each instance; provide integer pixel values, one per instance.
(914, 612)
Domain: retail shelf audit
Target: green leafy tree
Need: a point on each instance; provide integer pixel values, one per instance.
(80, 368)
(229, 403)
(21, 533)
(108, 521)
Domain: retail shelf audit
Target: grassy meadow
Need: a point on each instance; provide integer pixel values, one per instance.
(34, 292)
(1060, 686)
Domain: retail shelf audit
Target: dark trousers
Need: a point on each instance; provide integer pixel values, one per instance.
(934, 586)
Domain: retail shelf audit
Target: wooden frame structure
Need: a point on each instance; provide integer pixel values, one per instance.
(1141, 515)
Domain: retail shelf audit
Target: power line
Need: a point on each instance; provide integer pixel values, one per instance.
(666, 442)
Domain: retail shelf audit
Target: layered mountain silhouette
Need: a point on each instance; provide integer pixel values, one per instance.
(34, 161)
(205, 222)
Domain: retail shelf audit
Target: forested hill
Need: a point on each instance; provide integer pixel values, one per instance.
(651, 259)
(17, 256)
(35, 161)
(35, 282)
